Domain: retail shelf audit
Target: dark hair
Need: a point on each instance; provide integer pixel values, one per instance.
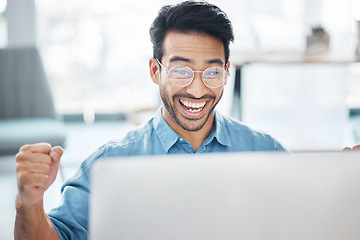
(191, 17)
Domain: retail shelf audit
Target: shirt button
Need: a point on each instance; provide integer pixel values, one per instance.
(181, 139)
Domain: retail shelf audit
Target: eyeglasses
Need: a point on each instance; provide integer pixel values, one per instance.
(182, 76)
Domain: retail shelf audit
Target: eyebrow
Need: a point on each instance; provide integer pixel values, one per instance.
(179, 59)
(183, 59)
(219, 61)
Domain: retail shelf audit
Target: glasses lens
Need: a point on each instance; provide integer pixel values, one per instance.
(180, 75)
(214, 76)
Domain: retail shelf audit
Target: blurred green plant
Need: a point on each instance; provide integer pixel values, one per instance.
(318, 30)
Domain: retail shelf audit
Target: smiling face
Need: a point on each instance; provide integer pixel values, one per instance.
(191, 107)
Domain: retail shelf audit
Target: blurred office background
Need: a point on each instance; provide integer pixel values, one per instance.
(92, 57)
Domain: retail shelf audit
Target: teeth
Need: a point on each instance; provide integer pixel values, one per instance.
(193, 105)
(194, 111)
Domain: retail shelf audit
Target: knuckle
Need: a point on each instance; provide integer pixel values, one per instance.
(25, 148)
(47, 159)
(20, 156)
(19, 167)
(47, 147)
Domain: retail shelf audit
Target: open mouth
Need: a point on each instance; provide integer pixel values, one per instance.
(192, 106)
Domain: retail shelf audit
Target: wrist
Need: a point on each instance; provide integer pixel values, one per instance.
(23, 208)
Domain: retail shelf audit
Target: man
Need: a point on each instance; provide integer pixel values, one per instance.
(190, 65)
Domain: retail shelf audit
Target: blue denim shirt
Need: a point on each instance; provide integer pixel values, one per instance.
(152, 138)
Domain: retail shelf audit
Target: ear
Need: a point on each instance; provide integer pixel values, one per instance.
(227, 69)
(154, 70)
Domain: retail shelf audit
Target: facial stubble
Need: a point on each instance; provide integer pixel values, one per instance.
(172, 111)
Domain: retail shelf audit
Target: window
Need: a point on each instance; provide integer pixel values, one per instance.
(96, 54)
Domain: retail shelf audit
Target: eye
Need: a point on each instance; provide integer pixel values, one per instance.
(181, 72)
(213, 72)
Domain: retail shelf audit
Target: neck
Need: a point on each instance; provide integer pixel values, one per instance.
(195, 138)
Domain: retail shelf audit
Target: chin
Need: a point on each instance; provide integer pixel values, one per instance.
(192, 125)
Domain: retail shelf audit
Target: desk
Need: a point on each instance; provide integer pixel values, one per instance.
(240, 59)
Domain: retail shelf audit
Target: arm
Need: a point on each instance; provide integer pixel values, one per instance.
(36, 169)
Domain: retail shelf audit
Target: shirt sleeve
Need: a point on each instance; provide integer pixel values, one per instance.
(70, 218)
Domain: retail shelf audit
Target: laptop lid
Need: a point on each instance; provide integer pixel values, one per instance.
(227, 196)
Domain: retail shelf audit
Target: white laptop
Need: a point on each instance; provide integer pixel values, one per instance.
(227, 196)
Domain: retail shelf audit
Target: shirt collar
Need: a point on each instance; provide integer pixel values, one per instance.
(166, 134)
(219, 131)
(168, 137)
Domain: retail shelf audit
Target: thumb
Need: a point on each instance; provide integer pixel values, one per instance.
(56, 153)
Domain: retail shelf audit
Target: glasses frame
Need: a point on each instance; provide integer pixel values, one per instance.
(202, 76)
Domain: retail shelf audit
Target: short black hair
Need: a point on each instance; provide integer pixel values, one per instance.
(191, 17)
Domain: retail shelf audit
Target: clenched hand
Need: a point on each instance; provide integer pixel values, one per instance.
(36, 167)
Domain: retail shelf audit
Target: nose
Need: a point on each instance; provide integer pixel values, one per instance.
(197, 88)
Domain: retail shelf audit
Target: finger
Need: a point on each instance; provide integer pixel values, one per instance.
(39, 168)
(346, 149)
(56, 153)
(33, 157)
(32, 167)
(36, 148)
(356, 147)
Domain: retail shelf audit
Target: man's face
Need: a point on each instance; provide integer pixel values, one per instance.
(192, 106)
